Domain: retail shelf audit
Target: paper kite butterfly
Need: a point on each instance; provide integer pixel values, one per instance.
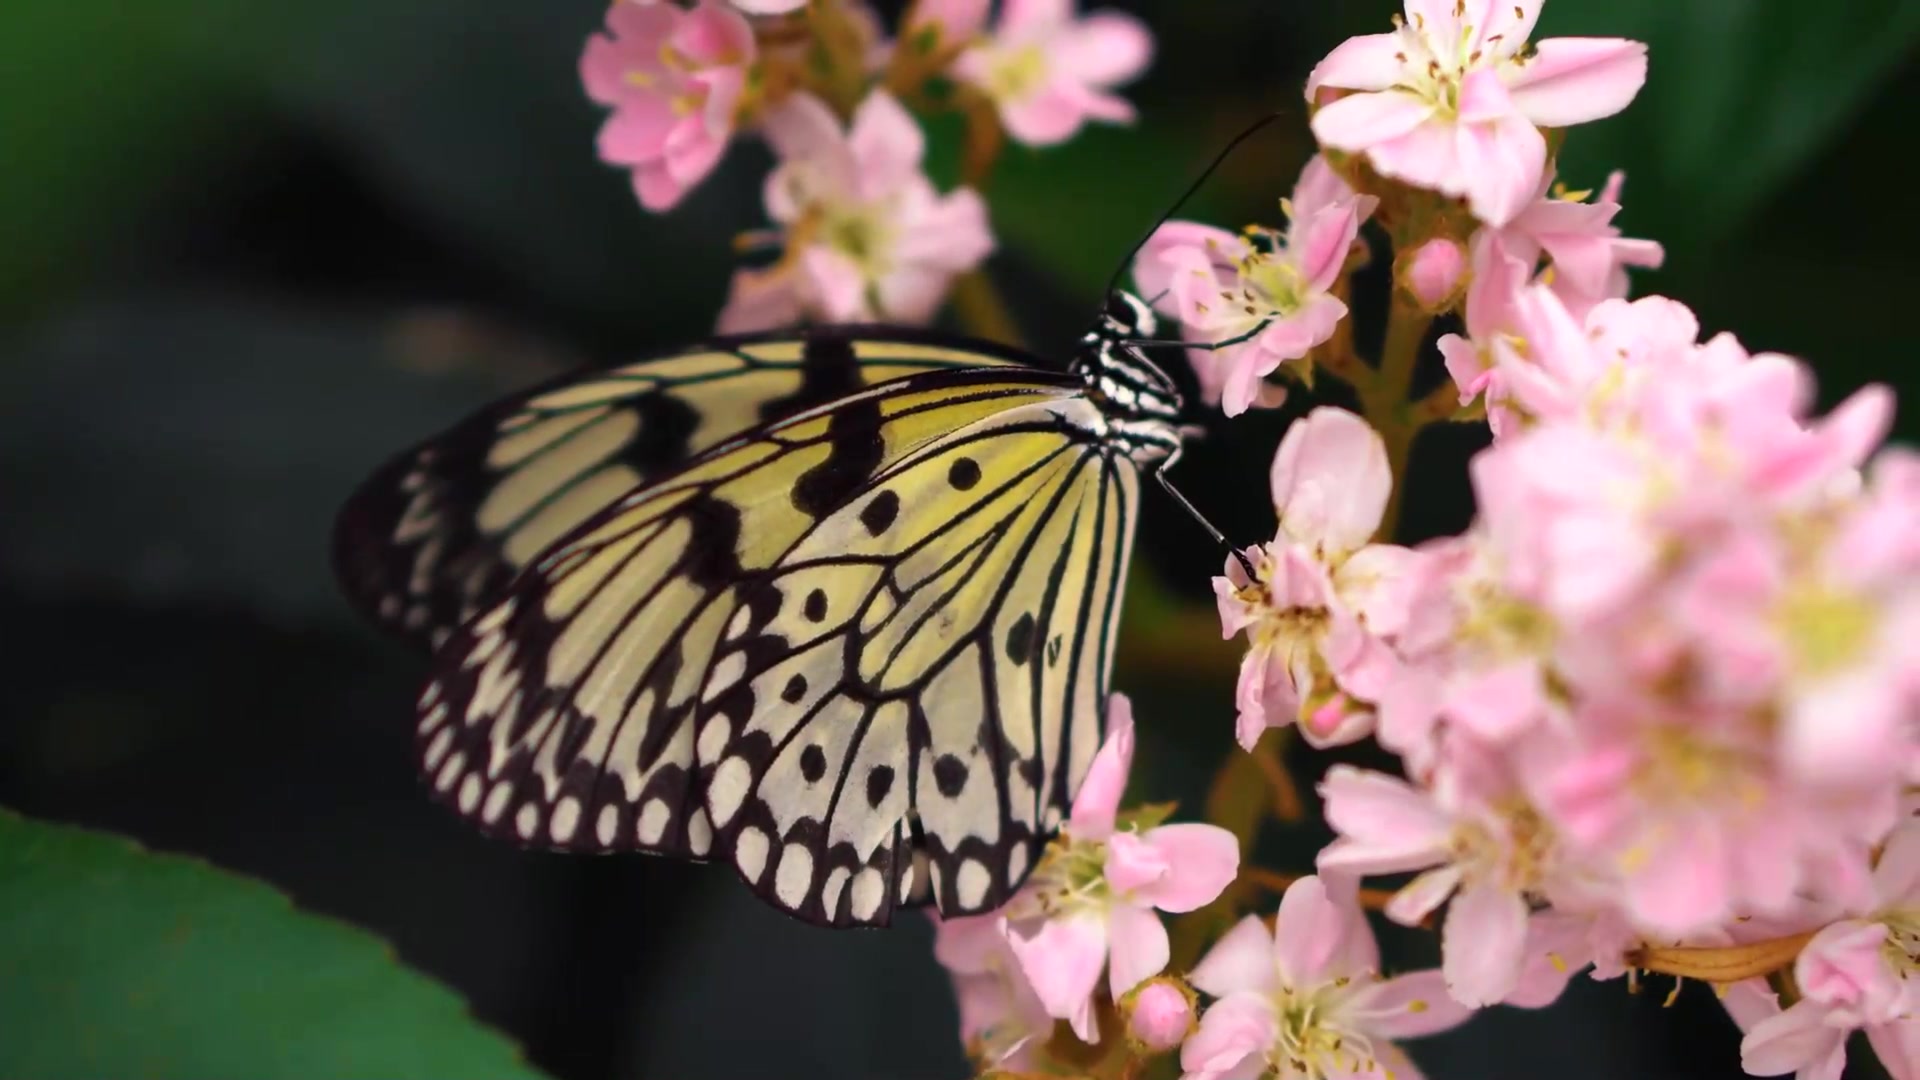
(834, 605)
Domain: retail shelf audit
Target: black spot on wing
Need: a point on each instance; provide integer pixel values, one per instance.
(854, 450)
(963, 474)
(1020, 638)
(879, 783)
(829, 369)
(713, 551)
(665, 439)
(879, 512)
(950, 775)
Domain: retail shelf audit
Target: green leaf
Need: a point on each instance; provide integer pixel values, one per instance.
(118, 962)
(1741, 96)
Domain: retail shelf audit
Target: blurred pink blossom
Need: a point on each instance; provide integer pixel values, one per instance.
(674, 79)
(1090, 903)
(1261, 298)
(1160, 1016)
(867, 235)
(1434, 273)
(1306, 1001)
(1001, 1020)
(768, 7)
(1050, 72)
(1453, 98)
(1487, 849)
(1324, 601)
(1855, 974)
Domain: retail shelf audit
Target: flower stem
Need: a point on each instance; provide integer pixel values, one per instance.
(1722, 965)
(1385, 401)
(981, 309)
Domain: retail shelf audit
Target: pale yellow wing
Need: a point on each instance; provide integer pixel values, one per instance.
(904, 706)
(561, 714)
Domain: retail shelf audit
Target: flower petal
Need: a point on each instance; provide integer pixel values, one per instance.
(1330, 481)
(1138, 944)
(1362, 121)
(1241, 961)
(1799, 1040)
(1386, 825)
(1106, 48)
(1201, 861)
(1106, 780)
(1311, 935)
(1062, 959)
(1574, 80)
(886, 144)
(1366, 62)
(1413, 1005)
(1232, 1041)
(1484, 943)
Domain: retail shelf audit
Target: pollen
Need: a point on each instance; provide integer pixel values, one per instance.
(1825, 629)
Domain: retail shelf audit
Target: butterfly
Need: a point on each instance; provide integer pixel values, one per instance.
(836, 605)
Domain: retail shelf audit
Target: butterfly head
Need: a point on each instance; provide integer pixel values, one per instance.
(1133, 392)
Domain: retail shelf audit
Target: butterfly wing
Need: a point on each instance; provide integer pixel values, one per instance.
(561, 715)
(903, 706)
(440, 530)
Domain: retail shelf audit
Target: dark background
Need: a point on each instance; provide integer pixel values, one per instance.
(247, 250)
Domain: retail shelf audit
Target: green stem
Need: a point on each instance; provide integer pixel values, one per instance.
(1385, 401)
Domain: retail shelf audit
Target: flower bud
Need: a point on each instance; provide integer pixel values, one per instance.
(1435, 273)
(1159, 1014)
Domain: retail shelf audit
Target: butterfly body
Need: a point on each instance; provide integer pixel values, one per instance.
(856, 643)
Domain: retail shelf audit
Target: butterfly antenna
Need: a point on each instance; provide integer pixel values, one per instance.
(1218, 160)
(1213, 531)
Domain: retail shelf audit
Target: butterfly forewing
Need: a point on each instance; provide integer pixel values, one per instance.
(905, 702)
(440, 530)
(561, 715)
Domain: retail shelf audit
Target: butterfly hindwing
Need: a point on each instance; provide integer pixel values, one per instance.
(904, 704)
(440, 530)
(561, 715)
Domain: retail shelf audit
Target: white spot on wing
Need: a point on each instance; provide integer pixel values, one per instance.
(1016, 865)
(795, 875)
(830, 891)
(437, 749)
(699, 832)
(972, 882)
(868, 890)
(450, 772)
(496, 802)
(469, 793)
(713, 738)
(729, 789)
(653, 821)
(566, 818)
(603, 830)
(750, 853)
(726, 671)
(526, 820)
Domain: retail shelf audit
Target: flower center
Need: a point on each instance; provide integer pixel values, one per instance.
(1502, 625)
(1072, 876)
(1826, 630)
(1518, 860)
(1687, 766)
(1313, 1041)
(1017, 73)
(1901, 949)
(861, 235)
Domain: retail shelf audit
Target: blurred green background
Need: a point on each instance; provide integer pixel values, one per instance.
(248, 250)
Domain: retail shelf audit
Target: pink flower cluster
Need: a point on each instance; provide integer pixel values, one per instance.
(1089, 905)
(864, 235)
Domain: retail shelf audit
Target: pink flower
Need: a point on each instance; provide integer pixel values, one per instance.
(1001, 1021)
(1305, 1001)
(1453, 99)
(1589, 257)
(867, 234)
(674, 79)
(1090, 903)
(768, 7)
(1260, 299)
(1433, 273)
(1588, 266)
(1160, 1015)
(1324, 602)
(1049, 72)
(1491, 855)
